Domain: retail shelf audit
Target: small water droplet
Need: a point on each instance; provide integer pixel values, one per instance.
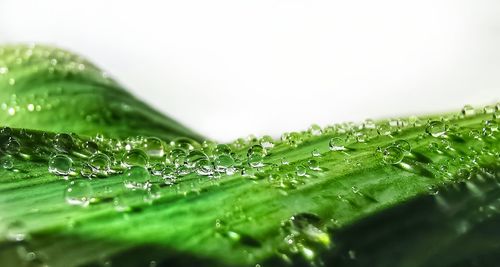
(78, 193)
(256, 156)
(336, 144)
(60, 164)
(316, 153)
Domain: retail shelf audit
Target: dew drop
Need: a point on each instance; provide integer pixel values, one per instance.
(205, 167)
(7, 162)
(63, 142)
(16, 231)
(300, 170)
(153, 147)
(256, 156)
(91, 147)
(193, 157)
(135, 157)
(136, 177)
(468, 110)
(60, 164)
(403, 145)
(78, 193)
(436, 128)
(392, 155)
(100, 164)
(313, 165)
(316, 153)
(336, 144)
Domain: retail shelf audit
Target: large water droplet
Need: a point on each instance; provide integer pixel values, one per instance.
(336, 144)
(153, 147)
(135, 157)
(16, 231)
(63, 143)
(136, 177)
(392, 155)
(100, 164)
(78, 193)
(436, 128)
(256, 156)
(60, 164)
(468, 110)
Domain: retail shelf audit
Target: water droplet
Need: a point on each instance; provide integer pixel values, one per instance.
(336, 144)
(136, 177)
(384, 129)
(7, 162)
(313, 165)
(91, 147)
(468, 110)
(152, 193)
(436, 128)
(256, 156)
(100, 164)
(489, 109)
(63, 143)
(392, 155)
(205, 167)
(315, 130)
(11, 146)
(403, 145)
(16, 231)
(60, 164)
(193, 157)
(78, 193)
(135, 157)
(304, 233)
(222, 162)
(153, 147)
(120, 203)
(300, 170)
(316, 153)
(267, 142)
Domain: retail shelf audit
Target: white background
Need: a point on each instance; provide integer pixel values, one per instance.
(232, 68)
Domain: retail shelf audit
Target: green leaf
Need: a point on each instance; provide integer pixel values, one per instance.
(378, 193)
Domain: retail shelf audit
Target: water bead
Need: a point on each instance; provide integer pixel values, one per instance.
(436, 128)
(300, 170)
(136, 177)
(267, 142)
(168, 173)
(256, 156)
(223, 162)
(135, 157)
(153, 147)
(336, 144)
(304, 233)
(205, 167)
(157, 169)
(392, 155)
(63, 142)
(152, 193)
(60, 164)
(384, 129)
(489, 109)
(185, 143)
(193, 157)
(316, 153)
(91, 147)
(222, 149)
(403, 145)
(16, 231)
(78, 193)
(100, 163)
(7, 162)
(468, 110)
(315, 130)
(313, 165)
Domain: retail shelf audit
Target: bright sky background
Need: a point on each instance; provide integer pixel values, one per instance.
(232, 68)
